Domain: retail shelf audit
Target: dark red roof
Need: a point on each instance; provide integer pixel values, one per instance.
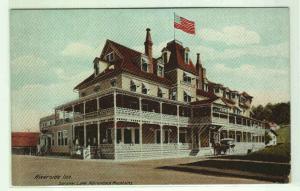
(205, 94)
(207, 101)
(177, 59)
(128, 63)
(25, 139)
(246, 95)
(227, 101)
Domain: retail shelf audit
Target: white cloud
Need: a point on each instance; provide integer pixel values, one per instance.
(231, 35)
(250, 71)
(273, 50)
(264, 84)
(33, 101)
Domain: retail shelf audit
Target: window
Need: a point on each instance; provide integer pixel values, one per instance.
(160, 70)
(83, 94)
(132, 86)
(157, 136)
(145, 90)
(59, 138)
(144, 65)
(206, 87)
(217, 90)
(182, 137)
(119, 134)
(65, 137)
(127, 136)
(113, 82)
(186, 97)
(227, 95)
(110, 57)
(233, 95)
(97, 88)
(159, 93)
(173, 94)
(166, 136)
(186, 57)
(136, 136)
(187, 79)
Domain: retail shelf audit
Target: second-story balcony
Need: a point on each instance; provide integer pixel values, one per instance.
(218, 115)
(133, 108)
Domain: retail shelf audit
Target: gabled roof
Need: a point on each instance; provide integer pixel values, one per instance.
(246, 95)
(127, 63)
(177, 59)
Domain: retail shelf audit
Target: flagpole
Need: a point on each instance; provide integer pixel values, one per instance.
(174, 26)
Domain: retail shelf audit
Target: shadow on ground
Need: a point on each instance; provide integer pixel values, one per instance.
(269, 171)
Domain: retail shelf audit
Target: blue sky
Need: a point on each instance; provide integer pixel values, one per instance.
(52, 50)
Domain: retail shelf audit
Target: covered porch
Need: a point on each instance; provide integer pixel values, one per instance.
(132, 140)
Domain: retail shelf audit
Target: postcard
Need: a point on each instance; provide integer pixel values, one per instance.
(150, 96)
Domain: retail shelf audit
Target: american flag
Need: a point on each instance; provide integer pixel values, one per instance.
(184, 24)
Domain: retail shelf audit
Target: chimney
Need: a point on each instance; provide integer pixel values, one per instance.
(148, 49)
(198, 64)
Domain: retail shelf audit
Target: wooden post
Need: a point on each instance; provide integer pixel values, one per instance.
(115, 123)
(84, 133)
(98, 133)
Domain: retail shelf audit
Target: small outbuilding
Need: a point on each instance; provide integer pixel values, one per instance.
(25, 143)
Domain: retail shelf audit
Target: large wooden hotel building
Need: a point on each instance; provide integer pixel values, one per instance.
(135, 106)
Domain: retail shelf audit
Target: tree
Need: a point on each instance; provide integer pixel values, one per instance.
(278, 113)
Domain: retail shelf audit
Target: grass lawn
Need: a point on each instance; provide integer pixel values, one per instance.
(283, 134)
(278, 153)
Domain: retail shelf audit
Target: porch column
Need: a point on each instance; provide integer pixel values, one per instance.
(98, 133)
(84, 134)
(161, 134)
(141, 135)
(73, 135)
(140, 124)
(209, 136)
(177, 124)
(115, 121)
(178, 135)
(235, 135)
(97, 103)
(84, 108)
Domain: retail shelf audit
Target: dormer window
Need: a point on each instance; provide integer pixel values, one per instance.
(186, 97)
(233, 95)
(217, 90)
(227, 95)
(187, 79)
(145, 89)
(159, 93)
(133, 86)
(186, 55)
(109, 57)
(97, 88)
(206, 87)
(144, 65)
(160, 70)
(113, 82)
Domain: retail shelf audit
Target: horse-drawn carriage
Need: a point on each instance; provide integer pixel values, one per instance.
(225, 146)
